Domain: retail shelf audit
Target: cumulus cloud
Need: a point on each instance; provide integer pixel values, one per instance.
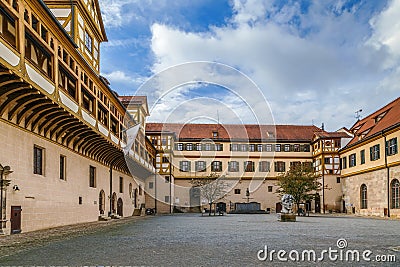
(315, 65)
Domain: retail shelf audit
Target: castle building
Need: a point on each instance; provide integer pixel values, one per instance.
(371, 164)
(251, 157)
(62, 129)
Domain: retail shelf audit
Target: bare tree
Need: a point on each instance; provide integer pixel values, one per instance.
(212, 188)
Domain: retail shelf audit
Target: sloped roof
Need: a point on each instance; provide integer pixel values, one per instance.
(236, 131)
(376, 122)
(332, 135)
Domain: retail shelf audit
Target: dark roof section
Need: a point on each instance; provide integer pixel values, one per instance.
(379, 121)
(236, 131)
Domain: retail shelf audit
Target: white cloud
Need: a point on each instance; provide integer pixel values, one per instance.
(319, 70)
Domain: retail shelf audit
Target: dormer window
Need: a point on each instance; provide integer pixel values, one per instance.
(380, 116)
(215, 134)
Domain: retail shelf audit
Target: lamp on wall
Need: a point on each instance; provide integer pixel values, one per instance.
(16, 188)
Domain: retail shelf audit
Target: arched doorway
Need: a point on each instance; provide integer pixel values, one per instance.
(120, 207)
(102, 202)
(114, 203)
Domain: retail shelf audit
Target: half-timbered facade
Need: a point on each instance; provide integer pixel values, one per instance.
(62, 128)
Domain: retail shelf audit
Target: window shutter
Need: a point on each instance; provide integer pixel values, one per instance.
(387, 148)
(370, 153)
(189, 166)
(395, 145)
(180, 165)
(378, 150)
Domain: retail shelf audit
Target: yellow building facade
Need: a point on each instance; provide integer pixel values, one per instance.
(371, 164)
(62, 128)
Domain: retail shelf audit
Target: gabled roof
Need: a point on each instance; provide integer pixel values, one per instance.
(237, 131)
(135, 100)
(376, 122)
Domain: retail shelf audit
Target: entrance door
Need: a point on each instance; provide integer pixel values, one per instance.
(16, 219)
(317, 203)
(278, 207)
(120, 207)
(102, 202)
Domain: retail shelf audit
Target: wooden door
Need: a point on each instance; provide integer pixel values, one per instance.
(278, 207)
(120, 207)
(16, 219)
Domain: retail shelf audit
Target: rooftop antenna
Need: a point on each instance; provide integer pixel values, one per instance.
(358, 115)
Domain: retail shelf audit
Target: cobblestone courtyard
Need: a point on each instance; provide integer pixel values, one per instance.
(192, 240)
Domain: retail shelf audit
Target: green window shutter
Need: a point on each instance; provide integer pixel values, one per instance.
(370, 153)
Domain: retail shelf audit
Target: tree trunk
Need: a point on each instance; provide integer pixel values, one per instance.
(298, 208)
(209, 212)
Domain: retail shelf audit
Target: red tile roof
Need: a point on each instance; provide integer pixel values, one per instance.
(236, 131)
(332, 135)
(133, 99)
(378, 121)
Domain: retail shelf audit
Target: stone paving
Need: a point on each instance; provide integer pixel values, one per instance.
(193, 240)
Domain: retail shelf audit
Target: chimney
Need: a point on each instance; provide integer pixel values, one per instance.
(323, 127)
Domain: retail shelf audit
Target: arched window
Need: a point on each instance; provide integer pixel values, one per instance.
(395, 190)
(363, 196)
(130, 190)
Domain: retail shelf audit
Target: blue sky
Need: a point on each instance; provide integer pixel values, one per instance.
(314, 61)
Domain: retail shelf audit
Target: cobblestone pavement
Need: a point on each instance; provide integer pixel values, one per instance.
(193, 240)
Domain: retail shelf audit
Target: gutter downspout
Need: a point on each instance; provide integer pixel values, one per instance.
(388, 177)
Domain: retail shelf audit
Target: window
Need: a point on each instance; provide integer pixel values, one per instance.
(67, 82)
(189, 147)
(166, 179)
(327, 160)
(352, 160)
(216, 166)
(198, 147)
(215, 134)
(264, 166)
(395, 191)
(208, 147)
(80, 200)
(249, 166)
(363, 196)
(307, 165)
(38, 160)
(362, 156)
(391, 146)
(295, 164)
(7, 27)
(38, 55)
(344, 162)
(338, 180)
(102, 115)
(140, 190)
(121, 184)
(277, 147)
(165, 159)
(233, 166)
(179, 146)
(286, 148)
(88, 42)
(151, 185)
(237, 191)
(374, 152)
(268, 147)
(296, 148)
(252, 147)
(87, 101)
(166, 199)
(279, 166)
(259, 147)
(270, 188)
(200, 166)
(306, 148)
(92, 176)
(234, 147)
(184, 166)
(62, 167)
(219, 147)
(164, 141)
(243, 147)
